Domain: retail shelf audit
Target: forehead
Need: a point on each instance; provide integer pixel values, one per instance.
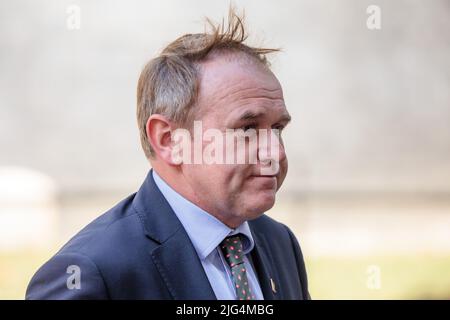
(228, 84)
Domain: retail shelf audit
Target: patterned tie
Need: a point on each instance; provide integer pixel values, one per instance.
(234, 255)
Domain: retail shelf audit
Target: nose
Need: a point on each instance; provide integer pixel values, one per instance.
(270, 152)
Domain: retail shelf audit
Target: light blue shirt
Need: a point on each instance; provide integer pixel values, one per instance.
(206, 233)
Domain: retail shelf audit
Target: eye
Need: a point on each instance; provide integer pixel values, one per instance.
(249, 126)
(278, 127)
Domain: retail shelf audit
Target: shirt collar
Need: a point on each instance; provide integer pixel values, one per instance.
(205, 231)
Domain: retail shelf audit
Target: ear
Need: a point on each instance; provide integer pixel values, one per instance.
(159, 130)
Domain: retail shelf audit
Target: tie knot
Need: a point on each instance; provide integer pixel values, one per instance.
(232, 250)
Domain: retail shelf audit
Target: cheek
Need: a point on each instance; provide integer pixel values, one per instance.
(235, 179)
(283, 173)
(223, 180)
(222, 177)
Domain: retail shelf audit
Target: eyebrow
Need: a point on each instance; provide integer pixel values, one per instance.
(250, 115)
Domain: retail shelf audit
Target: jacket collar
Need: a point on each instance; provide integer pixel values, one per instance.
(205, 231)
(175, 256)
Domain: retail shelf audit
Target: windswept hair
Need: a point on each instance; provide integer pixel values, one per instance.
(168, 84)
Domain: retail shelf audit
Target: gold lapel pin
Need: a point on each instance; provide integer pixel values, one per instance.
(272, 284)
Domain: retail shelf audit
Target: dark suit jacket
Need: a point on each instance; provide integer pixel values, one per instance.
(140, 250)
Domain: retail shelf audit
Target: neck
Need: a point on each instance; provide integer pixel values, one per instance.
(175, 178)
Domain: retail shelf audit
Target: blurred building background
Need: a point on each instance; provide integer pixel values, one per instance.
(368, 189)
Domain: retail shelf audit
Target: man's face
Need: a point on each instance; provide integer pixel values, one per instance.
(239, 95)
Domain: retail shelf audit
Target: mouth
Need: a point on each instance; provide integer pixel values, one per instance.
(263, 176)
(265, 181)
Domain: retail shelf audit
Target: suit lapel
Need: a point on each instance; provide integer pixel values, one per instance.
(175, 257)
(268, 280)
(181, 269)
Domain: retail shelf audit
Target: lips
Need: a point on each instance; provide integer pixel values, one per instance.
(263, 176)
(265, 181)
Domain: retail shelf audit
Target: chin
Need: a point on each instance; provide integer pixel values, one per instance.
(260, 205)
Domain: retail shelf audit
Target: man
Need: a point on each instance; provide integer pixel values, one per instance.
(195, 229)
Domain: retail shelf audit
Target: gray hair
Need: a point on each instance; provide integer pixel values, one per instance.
(168, 84)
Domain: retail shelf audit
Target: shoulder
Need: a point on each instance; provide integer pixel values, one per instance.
(284, 250)
(267, 225)
(105, 244)
(116, 227)
(267, 228)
